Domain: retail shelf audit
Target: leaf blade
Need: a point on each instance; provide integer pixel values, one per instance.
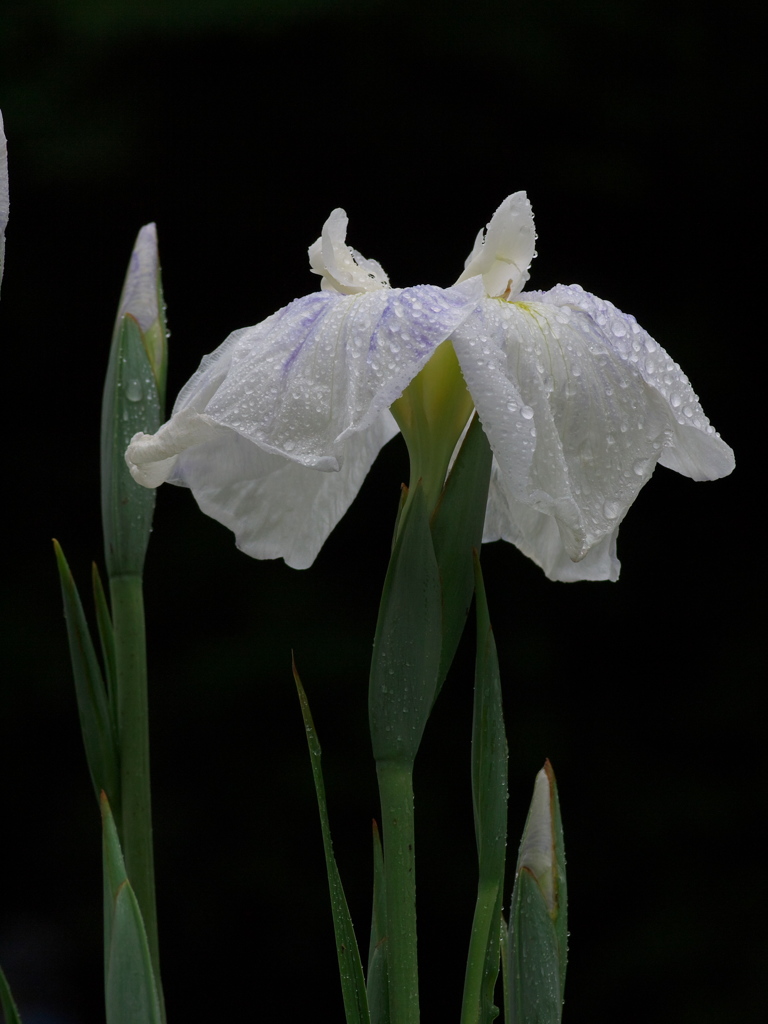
(132, 995)
(350, 966)
(99, 737)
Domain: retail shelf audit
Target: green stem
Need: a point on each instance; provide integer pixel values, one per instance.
(487, 916)
(133, 737)
(396, 792)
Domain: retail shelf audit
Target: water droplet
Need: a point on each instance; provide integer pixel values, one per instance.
(526, 412)
(133, 391)
(611, 509)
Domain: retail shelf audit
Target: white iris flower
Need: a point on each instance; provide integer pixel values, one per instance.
(578, 402)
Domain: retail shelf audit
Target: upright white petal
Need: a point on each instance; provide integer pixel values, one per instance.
(504, 255)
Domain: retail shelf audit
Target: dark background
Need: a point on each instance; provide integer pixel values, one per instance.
(237, 127)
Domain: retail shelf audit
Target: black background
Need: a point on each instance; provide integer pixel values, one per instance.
(238, 127)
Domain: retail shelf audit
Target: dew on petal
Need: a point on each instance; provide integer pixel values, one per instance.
(526, 412)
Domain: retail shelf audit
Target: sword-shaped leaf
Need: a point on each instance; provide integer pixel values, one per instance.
(99, 736)
(378, 982)
(6, 1001)
(489, 796)
(131, 989)
(350, 967)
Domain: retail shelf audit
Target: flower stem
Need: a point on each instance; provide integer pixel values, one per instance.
(133, 733)
(396, 791)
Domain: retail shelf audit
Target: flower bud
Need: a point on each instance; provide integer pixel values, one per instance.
(538, 938)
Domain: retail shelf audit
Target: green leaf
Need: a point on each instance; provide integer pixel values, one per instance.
(350, 966)
(457, 529)
(489, 748)
(505, 962)
(107, 638)
(99, 737)
(537, 941)
(131, 991)
(131, 404)
(489, 795)
(6, 1001)
(406, 648)
(378, 982)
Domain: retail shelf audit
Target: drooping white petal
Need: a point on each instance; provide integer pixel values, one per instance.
(275, 507)
(343, 269)
(504, 255)
(575, 430)
(538, 537)
(692, 446)
(308, 389)
(325, 367)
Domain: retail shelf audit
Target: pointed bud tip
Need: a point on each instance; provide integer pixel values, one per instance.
(537, 850)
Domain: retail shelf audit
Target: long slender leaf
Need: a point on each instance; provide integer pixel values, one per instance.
(406, 648)
(350, 966)
(106, 636)
(505, 962)
(489, 794)
(6, 1001)
(378, 981)
(131, 990)
(99, 737)
(457, 529)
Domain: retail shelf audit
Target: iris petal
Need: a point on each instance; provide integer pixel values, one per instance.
(308, 389)
(692, 447)
(578, 403)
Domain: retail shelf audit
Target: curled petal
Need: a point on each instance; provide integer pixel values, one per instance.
(343, 269)
(575, 430)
